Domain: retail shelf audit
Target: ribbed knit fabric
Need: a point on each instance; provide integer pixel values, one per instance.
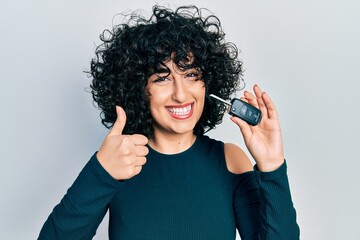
(190, 195)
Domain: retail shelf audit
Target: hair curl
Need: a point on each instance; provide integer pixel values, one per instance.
(132, 51)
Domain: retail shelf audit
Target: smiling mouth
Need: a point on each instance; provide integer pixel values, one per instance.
(181, 112)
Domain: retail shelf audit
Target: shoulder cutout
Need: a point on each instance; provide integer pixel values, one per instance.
(236, 160)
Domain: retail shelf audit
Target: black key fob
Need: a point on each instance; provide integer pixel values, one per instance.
(241, 109)
(245, 111)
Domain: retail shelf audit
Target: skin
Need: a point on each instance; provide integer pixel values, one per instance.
(123, 156)
(170, 95)
(263, 141)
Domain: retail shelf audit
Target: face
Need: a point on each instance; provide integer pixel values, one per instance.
(176, 99)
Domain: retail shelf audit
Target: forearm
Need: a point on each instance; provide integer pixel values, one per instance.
(83, 207)
(277, 213)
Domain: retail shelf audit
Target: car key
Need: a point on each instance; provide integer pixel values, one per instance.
(241, 109)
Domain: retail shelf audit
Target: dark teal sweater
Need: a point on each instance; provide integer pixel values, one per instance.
(190, 195)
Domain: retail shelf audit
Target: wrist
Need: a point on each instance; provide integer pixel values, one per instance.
(269, 166)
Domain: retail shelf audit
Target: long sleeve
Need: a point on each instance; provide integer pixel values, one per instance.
(263, 206)
(83, 207)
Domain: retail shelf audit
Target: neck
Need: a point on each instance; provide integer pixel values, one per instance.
(171, 144)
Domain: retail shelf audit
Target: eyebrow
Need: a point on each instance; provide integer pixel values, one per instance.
(162, 70)
(159, 69)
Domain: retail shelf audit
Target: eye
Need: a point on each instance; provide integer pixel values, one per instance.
(193, 75)
(161, 80)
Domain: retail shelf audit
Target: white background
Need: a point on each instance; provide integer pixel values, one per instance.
(305, 54)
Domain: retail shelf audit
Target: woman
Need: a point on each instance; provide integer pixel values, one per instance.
(156, 171)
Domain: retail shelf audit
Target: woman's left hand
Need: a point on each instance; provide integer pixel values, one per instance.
(264, 141)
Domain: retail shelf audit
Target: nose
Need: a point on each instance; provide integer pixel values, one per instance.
(180, 90)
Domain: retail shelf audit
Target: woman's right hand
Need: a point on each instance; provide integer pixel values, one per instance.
(122, 156)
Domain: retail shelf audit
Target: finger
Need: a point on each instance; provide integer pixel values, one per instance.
(140, 161)
(139, 140)
(120, 122)
(141, 151)
(244, 127)
(244, 99)
(271, 110)
(137, 170)
(258, 94)
(251, 99)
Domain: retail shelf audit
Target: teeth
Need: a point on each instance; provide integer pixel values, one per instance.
(180, 111)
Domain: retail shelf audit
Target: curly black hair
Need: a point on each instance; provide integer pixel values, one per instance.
(132, 51)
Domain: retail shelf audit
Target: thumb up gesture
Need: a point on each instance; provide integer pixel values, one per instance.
(122, 156)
